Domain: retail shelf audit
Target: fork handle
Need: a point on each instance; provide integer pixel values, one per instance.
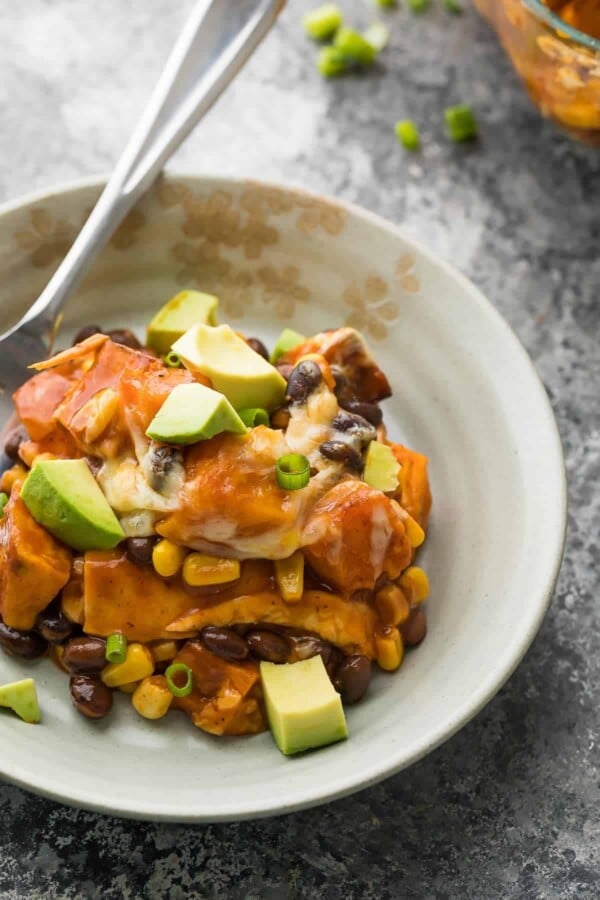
(218, 38)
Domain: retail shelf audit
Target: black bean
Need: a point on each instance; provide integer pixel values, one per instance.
(415, 628)
(306, 646)
(304, 379)
(162, 461)
(90, 696)
(53, 625)
(24, 644)
(224, 642)
(340, 451)
(14, 440)
(284, 369)
(268, 646)
(350, 423)
(258, 347)
(86, 332)
(369, 411)
(352, 678)
(126, 337)
(85, 655)
(340, 380)
(139, 550)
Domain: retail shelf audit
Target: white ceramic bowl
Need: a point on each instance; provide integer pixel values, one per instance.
(465, 393)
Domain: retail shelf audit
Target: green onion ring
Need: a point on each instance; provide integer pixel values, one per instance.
(116, 648)
(176, 690)
(173, 360)
(292, 471)
(253, 416)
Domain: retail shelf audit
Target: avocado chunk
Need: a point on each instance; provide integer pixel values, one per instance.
(21, 697)
(303, 708)
(287, 340)
(63, 496)
(181, 312)
(246, 379)
(194, 412)
(381, 467)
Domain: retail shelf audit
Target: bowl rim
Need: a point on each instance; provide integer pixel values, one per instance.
(95, 800)
(555, 21)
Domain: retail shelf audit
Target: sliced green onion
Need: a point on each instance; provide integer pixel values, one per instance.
(292, 471)
(408, 134)
(354, 46)
(461, 122)
(253, 416)
(3, 501)
(453, 6)
(386, 4)
(323, 22)
(377, 35)
(176, 689)
(288, 339)
(116, 648)
(331, 63)
(419, 6)
(173, 360)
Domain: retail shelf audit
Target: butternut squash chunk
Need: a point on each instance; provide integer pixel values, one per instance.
(414, 494)
(226, 696)
(34, 566)
(348, 624)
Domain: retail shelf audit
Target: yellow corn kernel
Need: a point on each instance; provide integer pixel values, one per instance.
(415, 533)
(200, 570)
(389, 649)
(138, 664)
(290, 576)
(167, 558)
(128, 688)
(152, 698)
(392, 605)
(415, 579)
(71, 602)
(162, 651)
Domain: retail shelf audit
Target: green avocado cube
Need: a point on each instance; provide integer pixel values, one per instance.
(381, 467)
(287, 340)
(178, 315)
(234, 368)
(194, 412)
(21, 697)
(303, 707)
(63, 496)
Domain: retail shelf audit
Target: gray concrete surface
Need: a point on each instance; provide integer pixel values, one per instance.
(509, 808)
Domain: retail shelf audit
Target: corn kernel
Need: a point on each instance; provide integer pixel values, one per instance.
(200, 570)
(139, 663)
(71, 602)
(392, 605)
(162, 651)
(415, 533)
(152, 698)
(389, 649)
(290, 576)
(167, 558)
(415, 579)
(128, 688)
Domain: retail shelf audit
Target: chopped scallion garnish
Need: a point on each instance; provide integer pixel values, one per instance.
(177, 669)
(252, 417)
(173, 360)
(461, 122)
(332, 62)
(354, 46)
(453, 6)
(386, 4)
(377, 35)
(419, 6)
(292, 471)
(116, 648)
(3, 501)
(408, 134)
(323, 22)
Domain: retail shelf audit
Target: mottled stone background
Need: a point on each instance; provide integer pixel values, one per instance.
(510, 807)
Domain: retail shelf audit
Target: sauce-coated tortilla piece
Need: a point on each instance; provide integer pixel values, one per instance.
(34, 566)
(346, 349)
(226, 697)
(349, 624)
(354, 535)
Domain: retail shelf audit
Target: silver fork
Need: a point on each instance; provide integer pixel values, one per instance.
(218, 38)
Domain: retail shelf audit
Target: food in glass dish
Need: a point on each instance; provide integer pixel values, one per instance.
(210, 528)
